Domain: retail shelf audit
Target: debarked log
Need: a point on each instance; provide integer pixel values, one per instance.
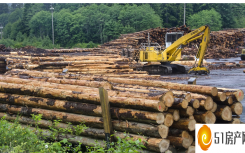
(85, 108)
(91, 121)
(168, 85)
(78, 96)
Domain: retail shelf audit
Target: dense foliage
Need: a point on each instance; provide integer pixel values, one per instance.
(79, 23)
(17, 138)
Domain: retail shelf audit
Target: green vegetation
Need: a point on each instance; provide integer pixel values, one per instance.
(79, 24)
(15, 138)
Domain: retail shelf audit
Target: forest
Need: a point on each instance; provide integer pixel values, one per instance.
(87, 25)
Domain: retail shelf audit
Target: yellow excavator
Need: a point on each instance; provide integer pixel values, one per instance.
(153, 52)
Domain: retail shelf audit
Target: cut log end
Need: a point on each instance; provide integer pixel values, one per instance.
(214, 107)
(176, 115)
(226, 114)
(195, 103)
(237, 108)
(191, 149)
(208, 105)
(239, 95)
(191, 125)
(163, 145)
(190, 111)
(168, 120)
(168, 98)
(163, 131)
(162, 107)
(160, 118)
(184, 104)
(214, 91)
(210, 118)
(222, 96)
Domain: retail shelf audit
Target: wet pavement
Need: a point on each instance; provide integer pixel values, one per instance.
(232, 78)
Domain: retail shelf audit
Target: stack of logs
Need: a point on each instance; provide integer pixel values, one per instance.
(165, 113)
(223, 44)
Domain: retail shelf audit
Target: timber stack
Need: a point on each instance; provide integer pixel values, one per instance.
(164, 112)
(223, 44)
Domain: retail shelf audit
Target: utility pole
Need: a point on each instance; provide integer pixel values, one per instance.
(52, 10)
(184, 13)
(1, 27)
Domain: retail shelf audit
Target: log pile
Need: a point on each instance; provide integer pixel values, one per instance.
(3, 48)
(223, 44)
(164, 112)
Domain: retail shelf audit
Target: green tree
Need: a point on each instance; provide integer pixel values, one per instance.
(15, 15)
(4, 8)
(227, 15)
(7, 30)
(27, 14)
(15, 28)
(210, 17)
(4, 19)
(41, 24)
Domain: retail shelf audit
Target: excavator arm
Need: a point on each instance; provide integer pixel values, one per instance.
(174, 49)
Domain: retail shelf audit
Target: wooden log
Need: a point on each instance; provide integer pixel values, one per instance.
(233, 121)
(180, 142)
(162, 107)
(239, 95)
(91, 121)
(168, 98)
(179, 103)
(163, 131)
(82, 108)
(214, 107)
(190, 88)
(105, 106)
(206, 102)
(220, 97)
(95, 84)
(77, 96)
(229, 100)
(185, 124)
(191, 149)
(178, 133)
(168, 119)
(77, 88)
(189, 111)
(205, 117)
(236, 108)
(223, 112)
(194, 103)
(175, 113)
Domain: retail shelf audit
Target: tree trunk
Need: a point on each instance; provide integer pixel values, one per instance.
(90, 121)
(78, 96)
(205, 117)
(236, 108)
(185, 124)
(223, 112)
(175, 86)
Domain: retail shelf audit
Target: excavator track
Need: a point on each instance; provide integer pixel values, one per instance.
(166, 68)
(157, 69)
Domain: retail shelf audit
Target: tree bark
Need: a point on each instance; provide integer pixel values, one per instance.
(78, 96)
(91, 121)
(205, 117)
(175, 86)
(185, 124)
(223, 112)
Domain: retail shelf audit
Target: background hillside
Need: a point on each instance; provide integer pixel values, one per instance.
(87, 25)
